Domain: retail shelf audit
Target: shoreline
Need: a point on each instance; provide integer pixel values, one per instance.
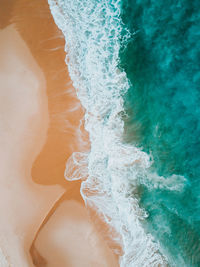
(63, 136)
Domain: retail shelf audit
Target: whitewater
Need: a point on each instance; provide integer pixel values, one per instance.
(112, 169)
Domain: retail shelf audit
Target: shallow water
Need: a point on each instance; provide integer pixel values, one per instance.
(135, 66)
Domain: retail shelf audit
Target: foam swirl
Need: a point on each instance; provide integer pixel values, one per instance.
(92, 31)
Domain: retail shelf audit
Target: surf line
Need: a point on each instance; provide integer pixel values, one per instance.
(109, 172)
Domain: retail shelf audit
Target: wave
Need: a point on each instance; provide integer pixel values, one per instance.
(112, 170)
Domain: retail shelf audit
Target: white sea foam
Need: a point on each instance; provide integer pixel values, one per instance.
(110, 172)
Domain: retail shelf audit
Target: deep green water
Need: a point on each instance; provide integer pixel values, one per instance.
(162, 62)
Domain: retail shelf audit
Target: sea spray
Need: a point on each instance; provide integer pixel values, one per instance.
(92, 31)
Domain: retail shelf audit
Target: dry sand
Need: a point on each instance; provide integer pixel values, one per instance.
(70, 239)
(40, 127)
(23, 128)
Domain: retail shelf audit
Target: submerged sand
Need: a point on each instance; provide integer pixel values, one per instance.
(43, 219)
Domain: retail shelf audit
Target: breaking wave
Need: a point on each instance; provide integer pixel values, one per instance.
(113, 169)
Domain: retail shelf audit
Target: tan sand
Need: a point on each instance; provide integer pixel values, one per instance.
(41, 214)
(23, 127)
(70, 239)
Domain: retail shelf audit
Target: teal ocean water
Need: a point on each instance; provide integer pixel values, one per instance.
(162, 61)
(135, 65)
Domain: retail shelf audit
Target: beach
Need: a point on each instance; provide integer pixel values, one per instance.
(43, 218)
(99, 127)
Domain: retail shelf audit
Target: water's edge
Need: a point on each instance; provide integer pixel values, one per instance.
(112, 170)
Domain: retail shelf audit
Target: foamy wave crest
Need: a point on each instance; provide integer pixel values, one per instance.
(92, 30)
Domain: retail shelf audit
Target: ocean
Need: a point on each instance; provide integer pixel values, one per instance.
(135, 66)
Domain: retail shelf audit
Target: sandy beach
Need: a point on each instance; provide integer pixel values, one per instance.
(24, 122)
(43, 218)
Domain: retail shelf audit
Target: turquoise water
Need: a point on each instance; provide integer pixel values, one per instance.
(162, 62)
(141, 98)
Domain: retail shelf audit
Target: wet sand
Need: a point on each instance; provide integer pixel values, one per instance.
(42, 213)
